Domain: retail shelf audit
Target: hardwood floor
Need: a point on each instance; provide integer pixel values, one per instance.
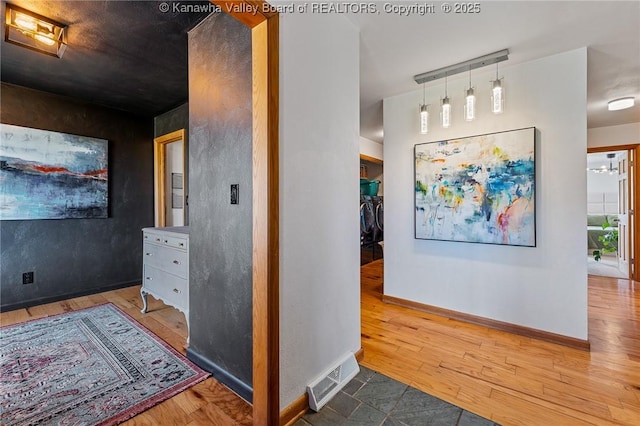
(509, 379)
(207, 403)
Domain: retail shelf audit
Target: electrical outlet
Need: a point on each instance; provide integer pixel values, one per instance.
(234, 194)
(27, 278)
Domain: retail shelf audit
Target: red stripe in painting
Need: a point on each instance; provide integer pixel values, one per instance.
(48, 169)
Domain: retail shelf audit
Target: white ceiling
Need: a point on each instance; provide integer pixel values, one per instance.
(394, 48)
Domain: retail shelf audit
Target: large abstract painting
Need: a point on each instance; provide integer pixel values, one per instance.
(50, 175)
(479, 189)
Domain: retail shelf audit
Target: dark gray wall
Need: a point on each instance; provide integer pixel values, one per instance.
(220, 154)
(79, 256)
(170, 121)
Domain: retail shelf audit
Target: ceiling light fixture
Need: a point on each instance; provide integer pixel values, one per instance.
(470, 102)
(603, 169)
(497, 97)
(35, 32)
(445, 112)
(622, 103)
(482, 61)
(424, 114)
(497, 94)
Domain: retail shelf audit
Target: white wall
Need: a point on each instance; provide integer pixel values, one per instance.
(174, 163)
(371, 148)
(319, 193)
(624, 134)
(543, 287)
(601, 182)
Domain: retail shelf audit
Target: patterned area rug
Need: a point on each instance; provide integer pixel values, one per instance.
(95, 366)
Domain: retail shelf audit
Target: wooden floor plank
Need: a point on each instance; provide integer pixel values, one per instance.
(207, 403)
(511, 379)
(507, 378)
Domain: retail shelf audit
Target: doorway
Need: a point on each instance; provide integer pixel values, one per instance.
(371, 209)
(611, 198)
(169, 179)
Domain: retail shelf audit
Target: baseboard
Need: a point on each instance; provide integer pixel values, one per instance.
(295, 410)
(299, 407)
(229, 380)
(533, 333)
(59, 297)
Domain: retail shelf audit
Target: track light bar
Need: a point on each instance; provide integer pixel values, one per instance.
(471, 64)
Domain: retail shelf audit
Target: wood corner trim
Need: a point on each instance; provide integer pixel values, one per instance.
(249, 12)
(294, 411)
(520, 330)
(359, 355)
(170, 137)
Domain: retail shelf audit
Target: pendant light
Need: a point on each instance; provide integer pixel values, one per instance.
(497, 95)
(611, 156)
(424, 114)
(470, 102)
(445, 112)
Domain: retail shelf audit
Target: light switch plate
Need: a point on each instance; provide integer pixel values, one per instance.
(234, 194)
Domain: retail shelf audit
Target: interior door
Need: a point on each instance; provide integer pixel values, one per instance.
(170, 179)
(174, 183)
(624, 192)
(631, 222)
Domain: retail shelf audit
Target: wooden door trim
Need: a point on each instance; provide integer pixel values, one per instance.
(264, 23)
(159, 168)
(634, 204)
(634, 201)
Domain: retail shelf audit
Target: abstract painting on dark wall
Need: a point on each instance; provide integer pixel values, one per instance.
(51, 175)
(479, 189)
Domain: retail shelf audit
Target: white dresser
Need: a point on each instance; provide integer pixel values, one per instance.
(165, 267)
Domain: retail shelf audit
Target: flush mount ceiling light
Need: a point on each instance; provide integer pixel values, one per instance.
(622, 103)
(34, 32)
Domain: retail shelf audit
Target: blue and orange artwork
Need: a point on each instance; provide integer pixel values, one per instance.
(479, 189)
(51, 175)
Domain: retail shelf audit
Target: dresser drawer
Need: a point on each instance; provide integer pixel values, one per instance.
(149, 252)
(165, 267)
(152, 237)
(171, 289)
(167, 259)
(176, 242)
(168, 240)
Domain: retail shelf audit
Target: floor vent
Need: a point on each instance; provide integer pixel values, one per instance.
(328, 384)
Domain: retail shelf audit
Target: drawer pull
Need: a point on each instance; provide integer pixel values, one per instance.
(166, 241)
(177, 262)
(148, 254)
(158, 239)
(181, 244)
(149, 278)
(146, 237)
(175, 290)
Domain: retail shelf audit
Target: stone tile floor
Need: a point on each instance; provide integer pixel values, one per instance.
(372, 399)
